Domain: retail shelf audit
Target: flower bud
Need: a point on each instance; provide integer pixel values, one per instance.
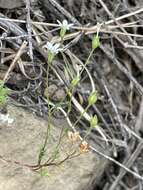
(93, 121)
(75, 81)
(95, 42)
(92, 98)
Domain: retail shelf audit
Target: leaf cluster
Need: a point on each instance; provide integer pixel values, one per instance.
(3, 93)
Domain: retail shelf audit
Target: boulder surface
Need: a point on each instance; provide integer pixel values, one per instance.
(21, 141)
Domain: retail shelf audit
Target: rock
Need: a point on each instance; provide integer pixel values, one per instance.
(10, 4)
(21, 141)
(55, 93)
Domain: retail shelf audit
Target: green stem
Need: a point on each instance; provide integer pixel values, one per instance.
(87, 61)
(87, 133)
(70, 101)
(81, 115)
(49, 121)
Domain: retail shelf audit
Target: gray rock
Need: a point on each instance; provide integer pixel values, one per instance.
(21, 141)
(10, 4)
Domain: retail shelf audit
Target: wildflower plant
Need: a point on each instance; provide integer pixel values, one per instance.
(52, 50)
(74, 137)
(64, 26)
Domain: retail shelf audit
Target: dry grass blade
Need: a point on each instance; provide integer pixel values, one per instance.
(29, 29)
(17, 56)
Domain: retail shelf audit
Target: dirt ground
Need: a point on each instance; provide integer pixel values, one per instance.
(116, 69)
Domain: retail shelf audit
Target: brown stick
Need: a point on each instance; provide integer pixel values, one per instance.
(17, 56)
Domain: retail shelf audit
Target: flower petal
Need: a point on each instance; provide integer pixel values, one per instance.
(56, 46)
(60, 24)
(70, 25)
(49, 45)
(65, 23)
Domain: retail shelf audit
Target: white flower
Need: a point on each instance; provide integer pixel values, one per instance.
(4, 118)
(53, 48)
(64, 25)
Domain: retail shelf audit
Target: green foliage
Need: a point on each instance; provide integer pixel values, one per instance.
(62, 33)
(41, 154)
(44, 172)
(65, 131)
(93, 121)
(75, 81)
(95, 42)
(3, 93)
(56, 154)
(50, 57)
(92, 98)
